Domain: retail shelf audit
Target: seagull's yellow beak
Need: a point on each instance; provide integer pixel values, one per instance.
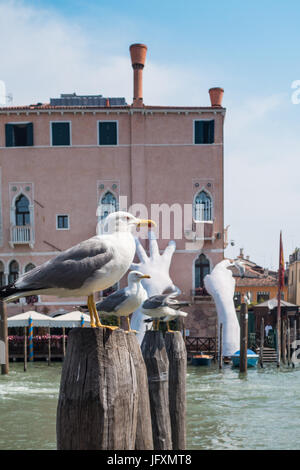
(145, 276)
(145, 223)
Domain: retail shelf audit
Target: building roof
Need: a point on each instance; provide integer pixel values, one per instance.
(272, 303)
(254, 277)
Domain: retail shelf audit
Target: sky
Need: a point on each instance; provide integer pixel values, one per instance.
(249, 48)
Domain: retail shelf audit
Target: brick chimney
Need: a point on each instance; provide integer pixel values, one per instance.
(216, 96)
(138, 57)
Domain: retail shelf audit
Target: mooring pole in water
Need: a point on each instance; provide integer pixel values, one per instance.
(4, 357)
(221, 346)
(175, 347)
(49, 346)
(216, 342)
(157, 364)
(288, 340)
(25, 348)
(294, 338)
(283, 341)
(243, 337)
(262, 340)
(30, 333)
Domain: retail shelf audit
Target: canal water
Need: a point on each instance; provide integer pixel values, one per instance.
(224, 409)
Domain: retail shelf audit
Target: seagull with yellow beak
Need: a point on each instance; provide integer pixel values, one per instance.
(92, 265)
(124, 302)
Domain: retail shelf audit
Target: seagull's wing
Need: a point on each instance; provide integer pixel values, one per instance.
(155, 301)
(70, 269)
(113, 301)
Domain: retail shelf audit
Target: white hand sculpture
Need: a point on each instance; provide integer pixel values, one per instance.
(158, 267)
(220, 285)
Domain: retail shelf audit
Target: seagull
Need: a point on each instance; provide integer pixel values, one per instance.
(125, 301)
(164, 307)
(92, 265)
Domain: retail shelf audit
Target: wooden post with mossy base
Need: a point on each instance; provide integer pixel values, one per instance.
(4, 353)
(177, 356)
(144, 439)
(98, 399)
(157, 364)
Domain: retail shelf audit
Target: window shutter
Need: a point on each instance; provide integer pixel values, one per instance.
(211, 132)
(199, 131)
(9, 135)
(107, 133)
(29, 130)
(60, 133)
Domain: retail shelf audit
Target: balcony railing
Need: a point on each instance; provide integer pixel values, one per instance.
(200, 294)
(200, 230)
(21, 235)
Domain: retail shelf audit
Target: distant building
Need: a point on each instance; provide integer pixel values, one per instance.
(64, 166)
(294, 277)
(260, 283)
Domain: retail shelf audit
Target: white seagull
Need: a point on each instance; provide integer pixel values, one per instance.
(125, 301)
(92, 265)
(164, 307)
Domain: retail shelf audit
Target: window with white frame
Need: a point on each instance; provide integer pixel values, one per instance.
(22, 211)
(203, 207)
(62, 222)
(60, 133)
(108, 132)
(13, 272)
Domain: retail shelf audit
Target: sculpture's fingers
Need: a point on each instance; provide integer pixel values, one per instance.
(153, 245)
(135, 267)
(141, 251)
(169, 251)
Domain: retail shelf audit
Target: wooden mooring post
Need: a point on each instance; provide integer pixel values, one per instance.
(144, 439)
(243, 337)
(25, 348)
(98, 399)
(221, 346)
(294, 340)
(262, 341)
(157, 364)
(177, 356)
(4, 354)
(216, 342)
(288, 339)
(284, 337)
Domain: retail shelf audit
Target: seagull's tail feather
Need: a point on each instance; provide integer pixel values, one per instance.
(11, 292)
(181, 313)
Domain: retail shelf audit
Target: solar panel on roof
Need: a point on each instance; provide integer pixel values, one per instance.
(86, 100)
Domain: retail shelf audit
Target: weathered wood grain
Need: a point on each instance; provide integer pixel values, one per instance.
(177, 356)
(144, 439)
(157, 364)
(98, 398)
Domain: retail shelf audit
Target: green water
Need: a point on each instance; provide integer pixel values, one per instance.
(225, 410)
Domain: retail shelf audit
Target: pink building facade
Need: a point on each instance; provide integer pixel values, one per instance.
(66, 164)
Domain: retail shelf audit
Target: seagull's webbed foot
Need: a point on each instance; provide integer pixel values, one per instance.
(129, 328)
(169, 329)
(96, 316)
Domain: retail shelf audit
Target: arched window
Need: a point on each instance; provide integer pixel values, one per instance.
(108, 205)
(2, 275)
(13, 271)
(22, 211)
(202, 268)
(29, 267)
(203, 207)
